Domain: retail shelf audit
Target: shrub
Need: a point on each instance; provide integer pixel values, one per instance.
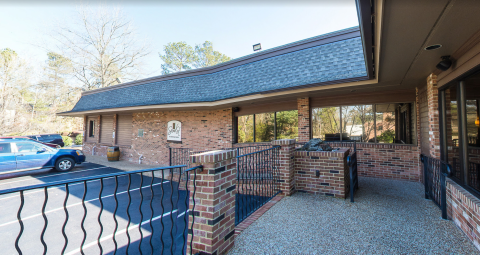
(79, 139)
(67, 140)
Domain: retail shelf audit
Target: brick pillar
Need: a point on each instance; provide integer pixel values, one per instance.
(214, 226)
(97, 131)
(433, 116)
(303, 106)
(114, 136)
(287, 165)
(85, 126)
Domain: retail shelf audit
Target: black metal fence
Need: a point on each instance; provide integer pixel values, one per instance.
(434, 173)
(181, 156)
(473, 177)
(143, 211)
(353, 171)
(257, 181)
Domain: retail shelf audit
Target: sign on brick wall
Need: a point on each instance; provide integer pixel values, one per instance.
(174, 131)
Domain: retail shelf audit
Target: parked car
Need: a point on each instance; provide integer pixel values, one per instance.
(48, 138)
(23, 154)
(24, 137)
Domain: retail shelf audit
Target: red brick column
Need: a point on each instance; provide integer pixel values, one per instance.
(303, 106)
(286, 165)
(214, 225)
(97, 131)
(114, 137)
(85, 125)
(433, 116)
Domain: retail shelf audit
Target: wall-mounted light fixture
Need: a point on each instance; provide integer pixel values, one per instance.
(477, 122)
(257, 46)
(445, 63)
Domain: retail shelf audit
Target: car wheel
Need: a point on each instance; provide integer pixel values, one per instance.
(64, 164)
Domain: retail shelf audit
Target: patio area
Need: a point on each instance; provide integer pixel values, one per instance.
(388, 217)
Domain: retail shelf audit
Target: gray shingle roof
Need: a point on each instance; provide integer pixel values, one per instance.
(325, 63)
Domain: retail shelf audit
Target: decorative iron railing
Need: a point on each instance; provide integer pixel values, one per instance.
(257, 181)
(434, 173)
(144, 210)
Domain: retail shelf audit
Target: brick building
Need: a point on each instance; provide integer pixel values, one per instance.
(377, 83)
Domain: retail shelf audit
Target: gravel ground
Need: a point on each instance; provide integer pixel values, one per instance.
(388, 217)
(122, 165)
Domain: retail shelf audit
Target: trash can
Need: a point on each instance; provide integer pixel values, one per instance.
(113, 153)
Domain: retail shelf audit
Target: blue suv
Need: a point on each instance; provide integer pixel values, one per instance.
(25, 154)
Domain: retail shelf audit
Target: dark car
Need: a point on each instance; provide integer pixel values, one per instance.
(48, 138)
(24, 137)
(22, 155)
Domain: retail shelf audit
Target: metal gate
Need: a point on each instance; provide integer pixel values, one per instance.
(257, 181)
(434, 173)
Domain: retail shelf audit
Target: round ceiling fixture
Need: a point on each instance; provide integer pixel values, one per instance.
(433, 47)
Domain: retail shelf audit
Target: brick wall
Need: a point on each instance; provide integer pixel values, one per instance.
(464, 209)
(389, 161)
(423, 121)
(286, 165)
(303, 106)
(201, 130)
(333, 179)
(433, 116)
(214, 223)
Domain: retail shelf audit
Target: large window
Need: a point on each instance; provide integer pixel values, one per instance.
(357, 123)
(381, 123)
(326, 123)
(266, 127)
(461, 129)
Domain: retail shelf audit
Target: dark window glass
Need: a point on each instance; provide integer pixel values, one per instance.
(287, 125)
(245, 129)
(451, 120)
(91, 129)
(472, 103)
(385, 123)
(264, 127)
(357, 123)
(326, 123)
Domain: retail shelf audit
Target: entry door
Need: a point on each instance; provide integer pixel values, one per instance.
(7, 158)
(29, 156)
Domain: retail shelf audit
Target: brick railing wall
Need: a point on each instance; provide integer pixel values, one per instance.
(333, 179)
(464, 209)
(214, 225)
(389, 161)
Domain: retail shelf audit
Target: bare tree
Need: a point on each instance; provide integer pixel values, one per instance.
(102, 46)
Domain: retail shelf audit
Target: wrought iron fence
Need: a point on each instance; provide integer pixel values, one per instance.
(352, 167)
(434, 173)
(181, 156)
(257, 181)
(144, 210)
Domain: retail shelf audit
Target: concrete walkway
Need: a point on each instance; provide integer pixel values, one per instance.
(388, 217)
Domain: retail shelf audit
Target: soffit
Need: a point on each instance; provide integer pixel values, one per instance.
(409, 26)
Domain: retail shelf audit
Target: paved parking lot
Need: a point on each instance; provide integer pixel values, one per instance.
(148, 196)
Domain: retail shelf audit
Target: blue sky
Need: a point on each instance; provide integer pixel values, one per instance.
(233, 28)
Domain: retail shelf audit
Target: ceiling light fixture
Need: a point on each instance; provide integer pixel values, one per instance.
(433, 47)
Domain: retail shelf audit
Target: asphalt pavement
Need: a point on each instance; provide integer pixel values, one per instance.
(150, 198)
